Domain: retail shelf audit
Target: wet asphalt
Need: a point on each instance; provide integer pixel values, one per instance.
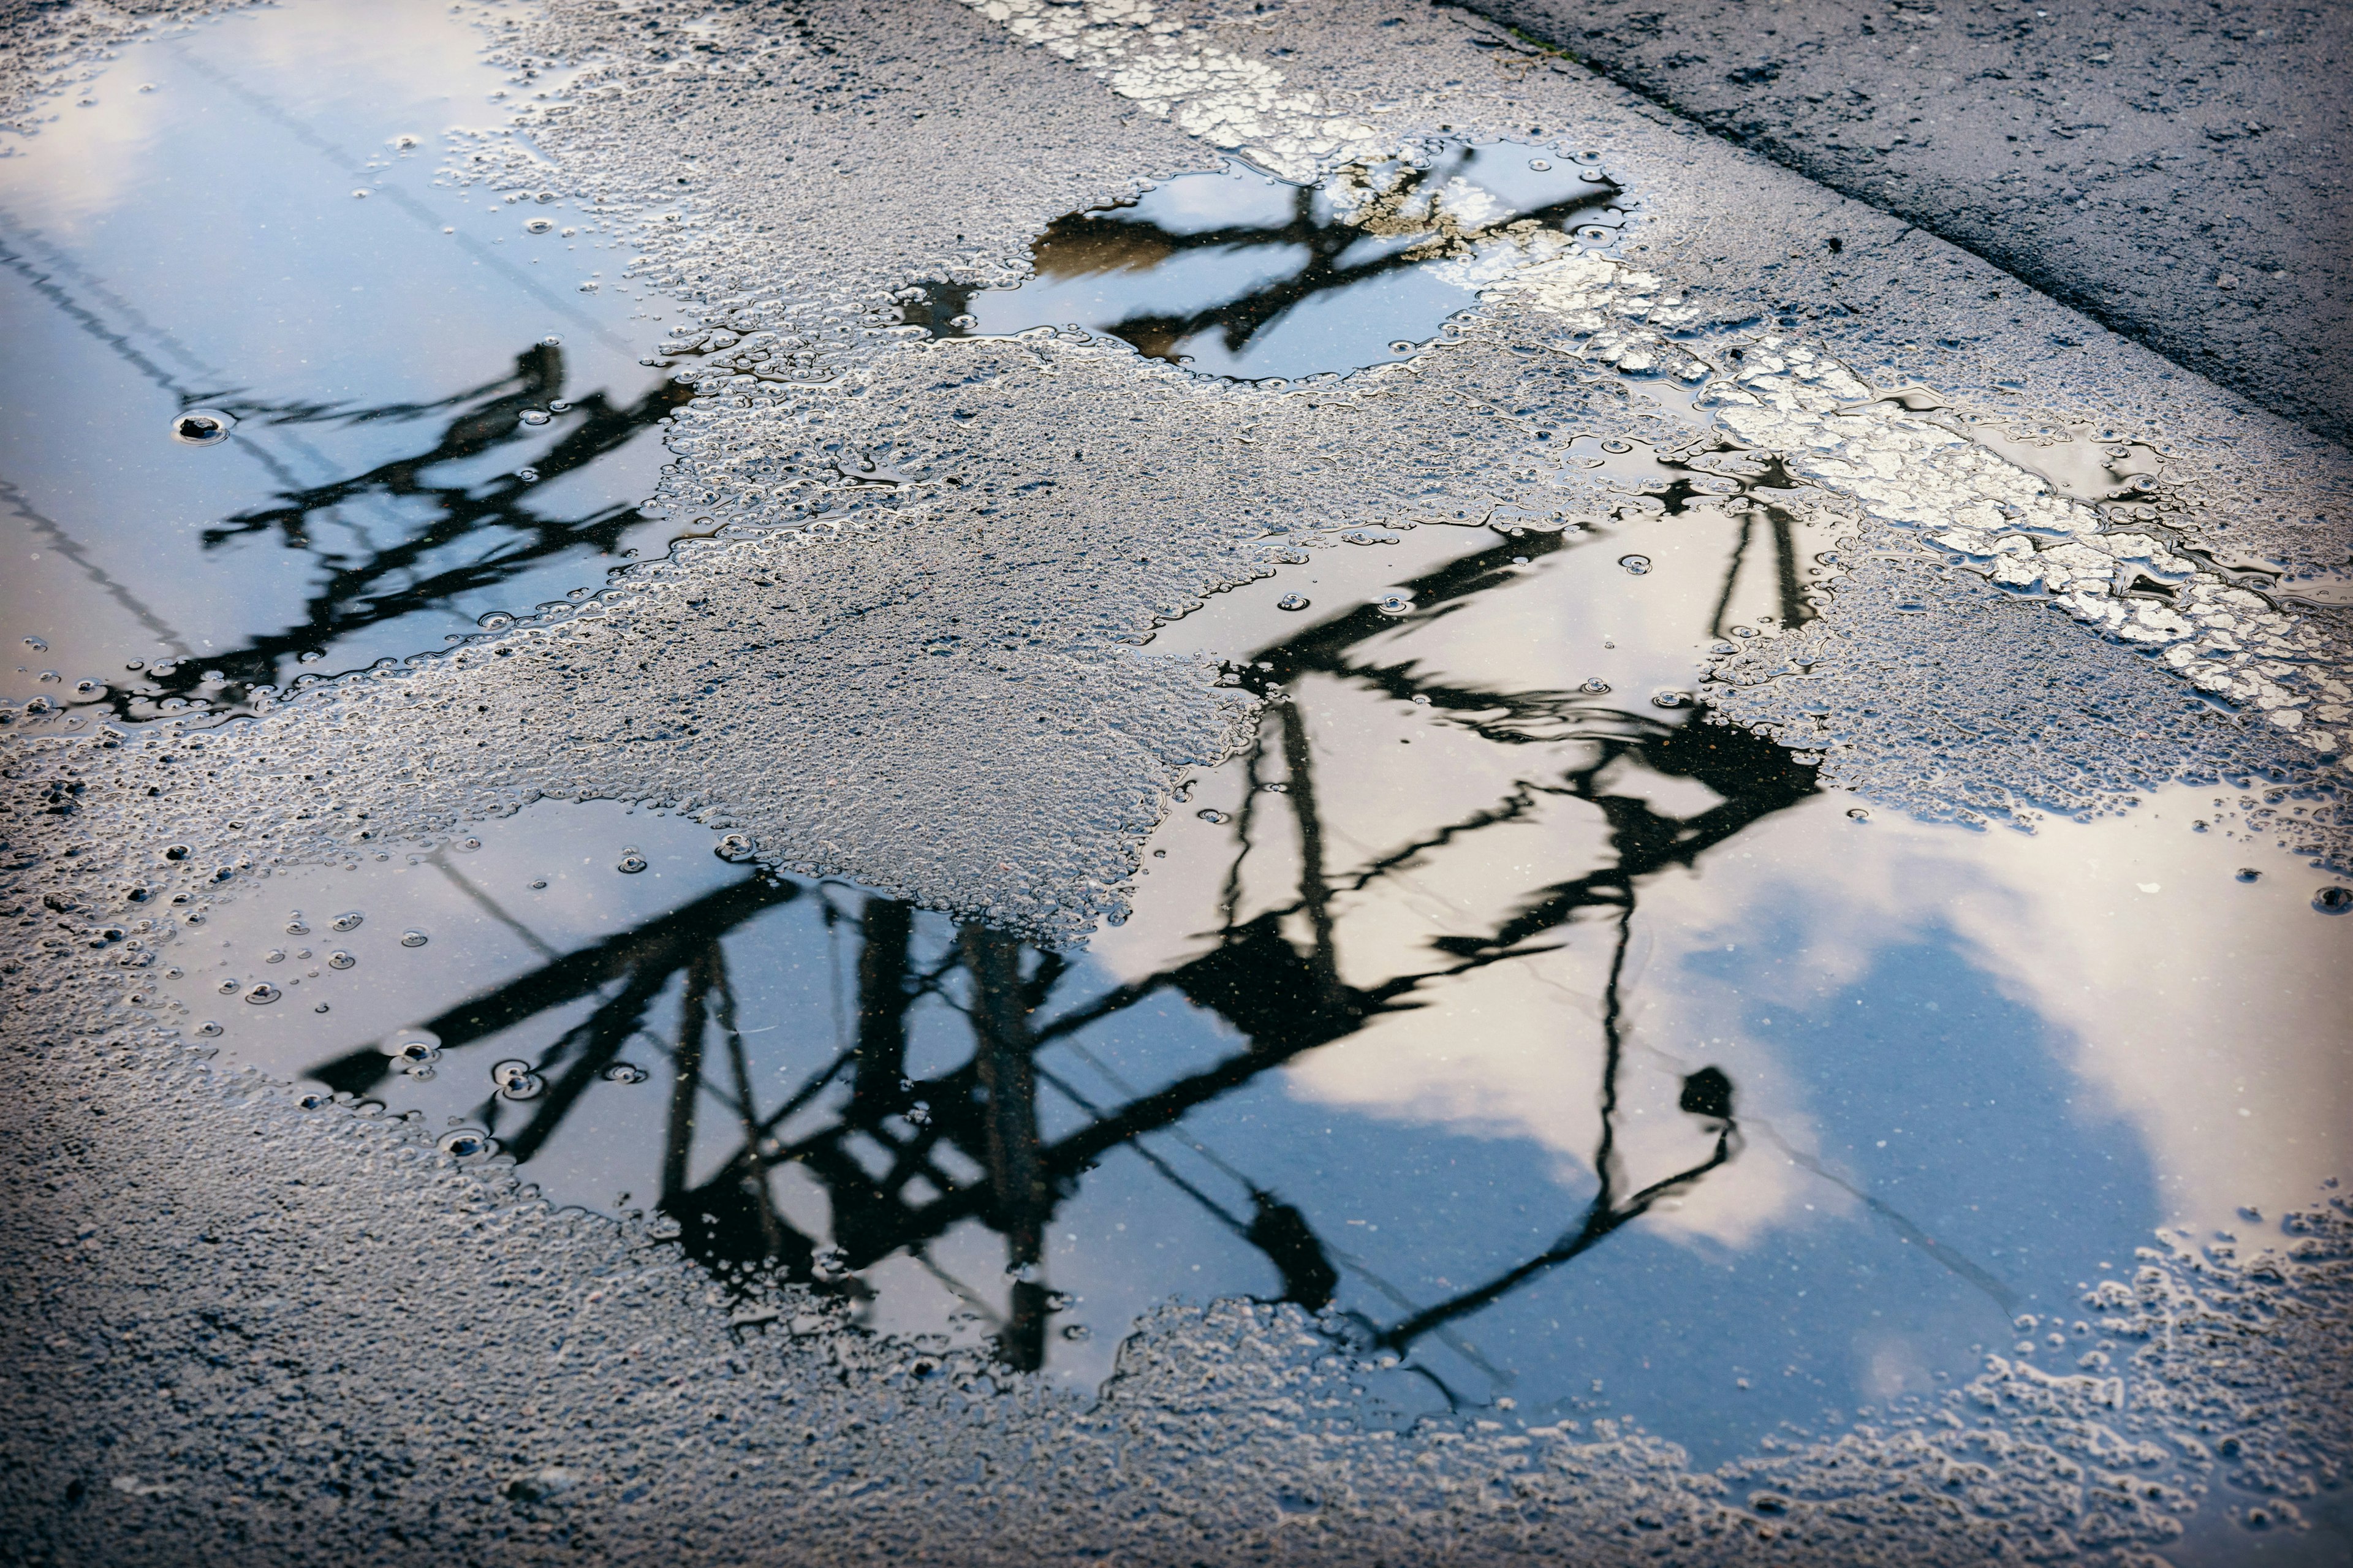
(2205, 145)
(2177, 172)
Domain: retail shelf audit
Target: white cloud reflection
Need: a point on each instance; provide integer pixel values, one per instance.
(2206, 1012)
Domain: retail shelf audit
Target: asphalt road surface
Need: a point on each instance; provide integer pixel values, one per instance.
(2176, 172)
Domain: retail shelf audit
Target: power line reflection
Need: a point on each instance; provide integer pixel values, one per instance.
(1004, 1136)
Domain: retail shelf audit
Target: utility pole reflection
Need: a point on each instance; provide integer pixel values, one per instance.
(903, 1157)
(1392, 227)
(449, 536)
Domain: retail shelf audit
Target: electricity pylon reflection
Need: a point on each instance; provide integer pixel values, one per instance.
(903, 1157)
(1395, 225)
(434, 532)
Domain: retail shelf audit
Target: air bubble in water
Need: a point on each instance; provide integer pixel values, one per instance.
(528, 475)
(1211, 814)
(413, 1046)
(550, 342)
(626, 1072)
(1596, 686)
(1857, 813)
(263, 994)
(1670, 699)
(538, 225)
(294, 925)
(210, 1029)
(413, 939)
(1292, 602)
(1401, 347)
(1635, 564)
(339, 959)
(1538, 164)
(536, 416)
(350, 920)
(517, 1081)
(1394, 603)
(2336, 900)
(229, 987)
(202, 427)
(466, 1143)
(737, 847)
(632, 862)
(2248, 874)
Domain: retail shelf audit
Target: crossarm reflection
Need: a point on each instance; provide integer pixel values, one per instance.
(661, 946)
(1400, 220)
(903, 1157)
(426, 516)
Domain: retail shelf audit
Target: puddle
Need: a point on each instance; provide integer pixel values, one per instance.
(1578, 1051)
(1241, 274)
(1558, 1049)
(411, 413)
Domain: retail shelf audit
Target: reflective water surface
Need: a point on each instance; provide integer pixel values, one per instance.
(434, 406)
(1241, 274)
(1579, 1051)
(1576, 1051)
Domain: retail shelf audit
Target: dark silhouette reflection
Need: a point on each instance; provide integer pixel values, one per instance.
(904, 1156)
(1706, 1093)
(407, 536)
(1391, 218)
(1282, 1233)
